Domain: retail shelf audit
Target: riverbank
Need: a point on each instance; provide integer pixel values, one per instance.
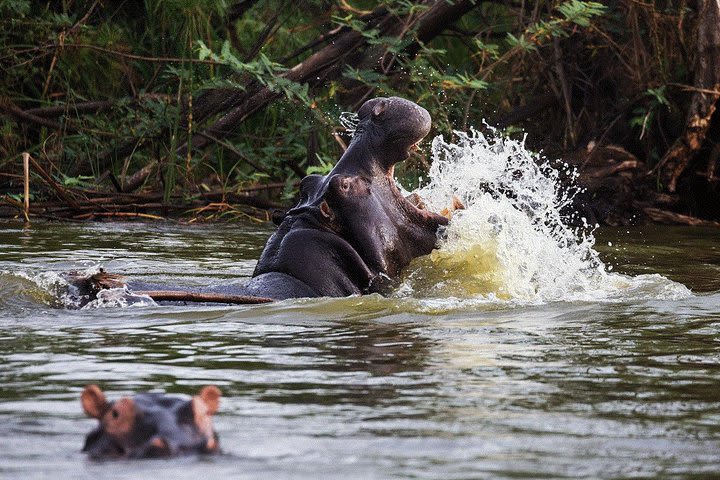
(225, 119)
(610, 185)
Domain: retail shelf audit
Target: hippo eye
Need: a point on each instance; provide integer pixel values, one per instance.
(115, 413)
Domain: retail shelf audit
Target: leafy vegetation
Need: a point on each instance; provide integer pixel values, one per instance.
(204, 98)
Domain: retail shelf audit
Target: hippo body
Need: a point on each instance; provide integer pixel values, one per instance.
(356, 211)
(352, 232)
(317, 261)
(151, 424)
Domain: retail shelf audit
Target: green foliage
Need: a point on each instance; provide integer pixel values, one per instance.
(580, 12)
(175, 25)
(644, 116)
(14, 8)
(574, 12)
(263, 70)
(79, 181)
(520, 43)
(321, 169)
(371, 78)
(155, 58)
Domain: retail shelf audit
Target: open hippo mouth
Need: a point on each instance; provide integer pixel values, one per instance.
(415, 207)
(386, 228)
(392, 128)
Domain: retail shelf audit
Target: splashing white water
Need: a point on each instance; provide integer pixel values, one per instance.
(349, 121)
(119, 298)
(511, 242)
(64, 294)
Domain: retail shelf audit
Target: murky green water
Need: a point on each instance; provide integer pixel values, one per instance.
(366, 387)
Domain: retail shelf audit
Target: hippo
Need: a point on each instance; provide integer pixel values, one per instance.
(151, 424)
(353, 231)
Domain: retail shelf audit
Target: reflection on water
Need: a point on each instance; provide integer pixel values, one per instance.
(367, 387)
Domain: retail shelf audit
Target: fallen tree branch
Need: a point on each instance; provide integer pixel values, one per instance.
(86, 216)
(137, 205)
(327, 63)
(53, 184)
(672, 218)
(94, 106)
(30, 118)
(134, 181)
(78, 108)
(181, 296)
(612, 169)
(117, 53)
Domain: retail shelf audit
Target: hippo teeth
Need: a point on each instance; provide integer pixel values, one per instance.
(420, 208)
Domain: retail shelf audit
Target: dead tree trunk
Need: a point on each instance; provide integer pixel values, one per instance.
(346, 48)
(704, 100)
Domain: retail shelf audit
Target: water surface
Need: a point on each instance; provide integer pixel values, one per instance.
(626, 385)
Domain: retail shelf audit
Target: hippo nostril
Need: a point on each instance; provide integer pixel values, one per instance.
(115, 413)
(156, 447)
(119, 450)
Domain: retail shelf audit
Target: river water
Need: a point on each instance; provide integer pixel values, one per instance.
(523, 347)
(624, 383)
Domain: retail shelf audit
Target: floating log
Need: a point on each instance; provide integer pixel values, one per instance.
(182, 296)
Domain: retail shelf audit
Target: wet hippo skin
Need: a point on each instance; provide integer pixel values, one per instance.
(353, 230)
(151, 424)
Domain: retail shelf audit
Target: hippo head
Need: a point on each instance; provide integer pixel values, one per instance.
(360, 193)
(363, 221)
(385, 228)
(389, 128)
(151, 424)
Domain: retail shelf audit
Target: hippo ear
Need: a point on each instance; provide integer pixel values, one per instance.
(310, 183)
(379, 108)
(210, 395)
(326, 211)
(93, 401)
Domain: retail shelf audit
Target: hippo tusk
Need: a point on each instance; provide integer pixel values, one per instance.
(456, 205)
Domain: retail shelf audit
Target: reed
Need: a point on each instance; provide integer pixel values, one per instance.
(26, 192)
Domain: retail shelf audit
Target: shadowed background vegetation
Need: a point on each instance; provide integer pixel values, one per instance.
(176, 106)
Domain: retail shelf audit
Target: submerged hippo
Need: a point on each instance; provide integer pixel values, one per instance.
(151, 424)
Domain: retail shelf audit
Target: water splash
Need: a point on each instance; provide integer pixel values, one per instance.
(47, 287)
(119, 298)
(349, 121)
(512, 241)
(54, 289)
